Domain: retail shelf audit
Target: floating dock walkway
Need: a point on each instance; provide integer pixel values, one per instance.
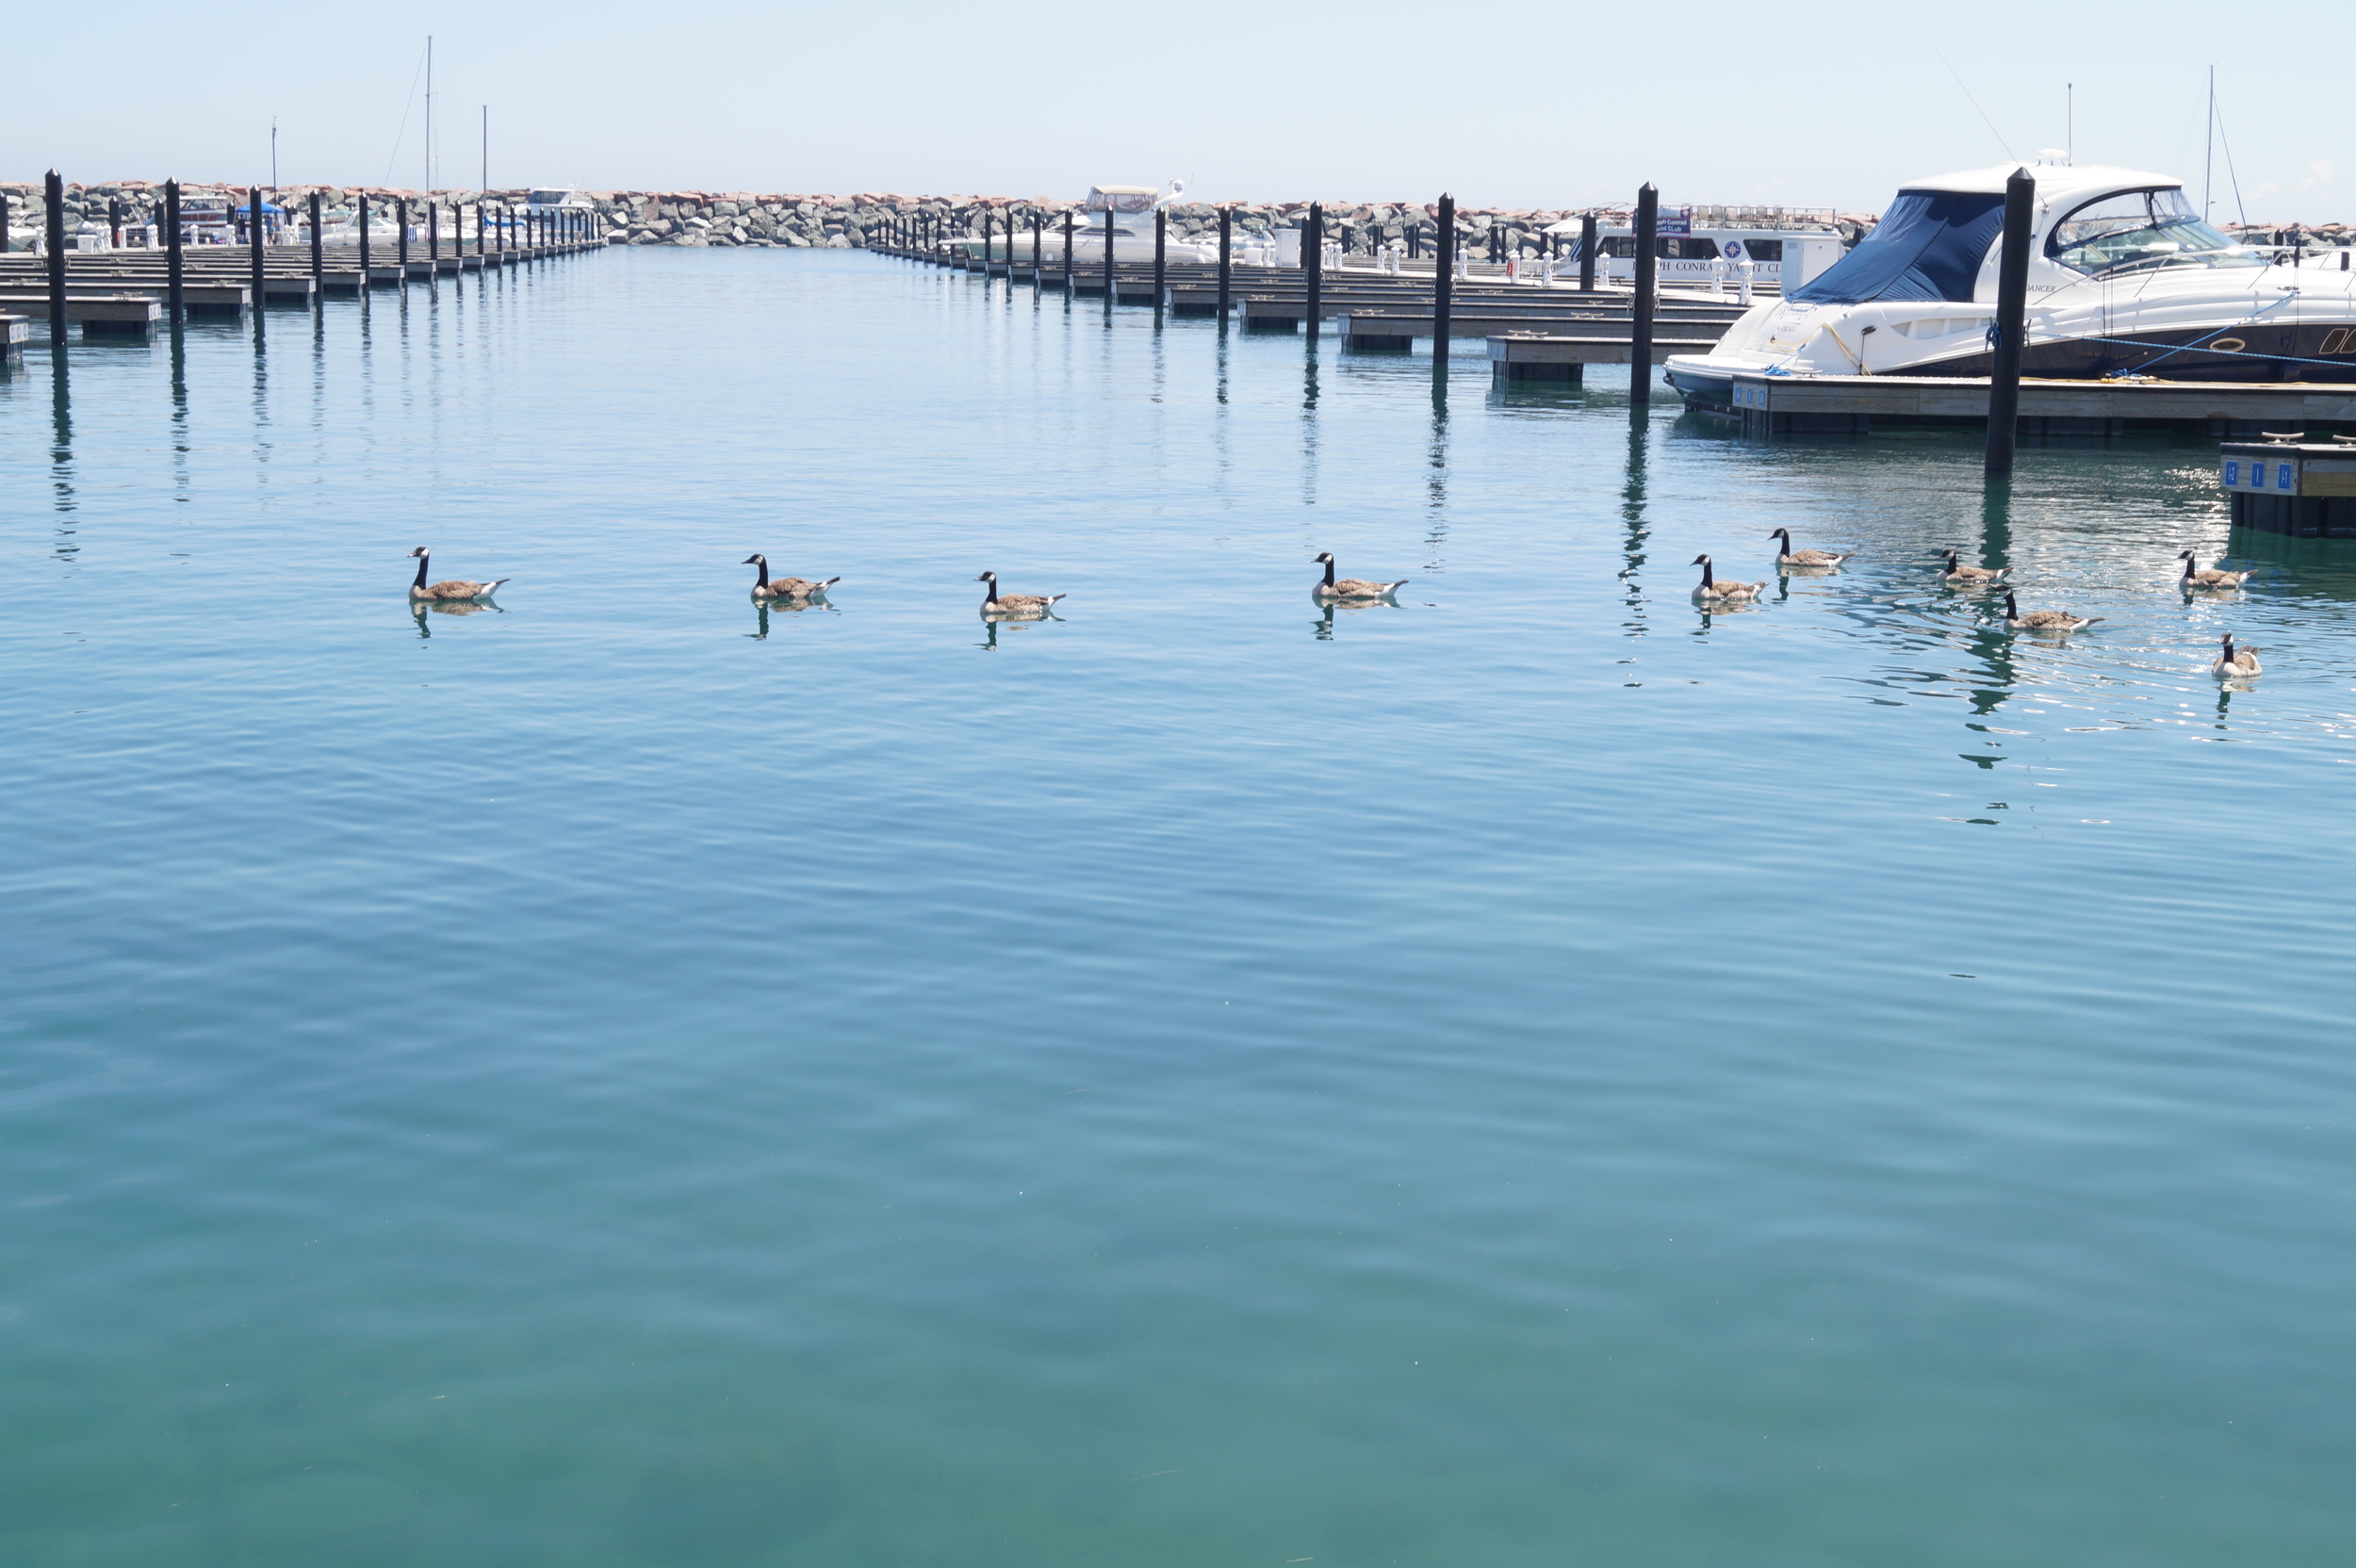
(1537, 329)
(127, 293)
(1852, 405)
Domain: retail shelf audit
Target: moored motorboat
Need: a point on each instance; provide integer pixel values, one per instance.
(2125, 278)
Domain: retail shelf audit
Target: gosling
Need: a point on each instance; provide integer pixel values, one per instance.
(1709, 588)
(1957, 572)
(2234, 662)
(2044, 620)
(996, 603)
(2197, 577)
(1352, 587)
(1789, 557)
(766, 587)
(451, 590)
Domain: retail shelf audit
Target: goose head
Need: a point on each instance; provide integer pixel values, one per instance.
(417, 554)
(990, 577)
(1699, 561)
(1323, 558)
(755, 561)
(1784, 534)
(2185, 555)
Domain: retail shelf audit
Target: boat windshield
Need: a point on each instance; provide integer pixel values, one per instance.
(1928, 246)
(1122, 198)
(2132, 231)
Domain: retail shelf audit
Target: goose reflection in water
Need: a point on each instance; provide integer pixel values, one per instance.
(1323, 625)
(1708, 609)
(420, 609)
(991, 623)
(761, 609)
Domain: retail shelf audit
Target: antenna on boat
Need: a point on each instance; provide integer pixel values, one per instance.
(2208, 158)
(1975, 104)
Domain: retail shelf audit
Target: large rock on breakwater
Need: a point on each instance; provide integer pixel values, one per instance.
(740, 218)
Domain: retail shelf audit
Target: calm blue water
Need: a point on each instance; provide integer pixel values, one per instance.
(1533, 1075)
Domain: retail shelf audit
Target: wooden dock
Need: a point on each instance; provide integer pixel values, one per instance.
(108, 293)
(2305, 489)
(1852, 405)
(1381, 310)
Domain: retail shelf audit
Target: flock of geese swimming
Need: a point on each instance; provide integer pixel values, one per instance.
(2233, 663)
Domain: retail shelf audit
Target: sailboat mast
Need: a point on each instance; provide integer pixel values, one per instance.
(429, 114)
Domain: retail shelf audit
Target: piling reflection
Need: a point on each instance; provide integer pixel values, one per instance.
(180, 443)
(1435, 487)
(61, 432)
(1634, 531)
(1309, 447)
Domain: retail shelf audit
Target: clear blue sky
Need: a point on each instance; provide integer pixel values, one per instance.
(1545, 106)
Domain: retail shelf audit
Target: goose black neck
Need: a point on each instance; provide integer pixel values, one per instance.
(762, 580)
(990, 592)
(1328, 574)
(421, 561)
(1706, 579)
(2189, 564)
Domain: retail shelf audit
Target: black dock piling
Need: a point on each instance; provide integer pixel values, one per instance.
(1039, 245)
(2012, 303)
(432, 236)
(1066, 251)
(114, 222)
(1587, 253)
(175, 274)
(4, 222)
(401, 233)
(1443, 288)
(1226, 250)
(319, 255)
(1161, 264)
(1647, 269)
(1109, 295)
(1313, 266)
(53, 189)
(253, 234)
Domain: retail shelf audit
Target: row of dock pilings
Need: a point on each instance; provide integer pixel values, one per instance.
(989, 243)
(132, 289)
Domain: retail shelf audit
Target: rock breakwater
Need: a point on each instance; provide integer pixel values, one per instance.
(692, 217)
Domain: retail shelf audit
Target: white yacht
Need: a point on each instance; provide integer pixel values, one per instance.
(1699, 245)
(1132, 207)
(2124, 279)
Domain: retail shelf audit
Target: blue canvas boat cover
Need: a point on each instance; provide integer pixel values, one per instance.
(1928, 246)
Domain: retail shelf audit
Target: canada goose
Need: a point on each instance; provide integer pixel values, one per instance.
(2231, 663)
(451, 589)
(2197, 576)
(1957, 572)
(2044, 620)
(1352, 587)
(996, 603)
(784, 587)
(1710, 588)
(1789, 557)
